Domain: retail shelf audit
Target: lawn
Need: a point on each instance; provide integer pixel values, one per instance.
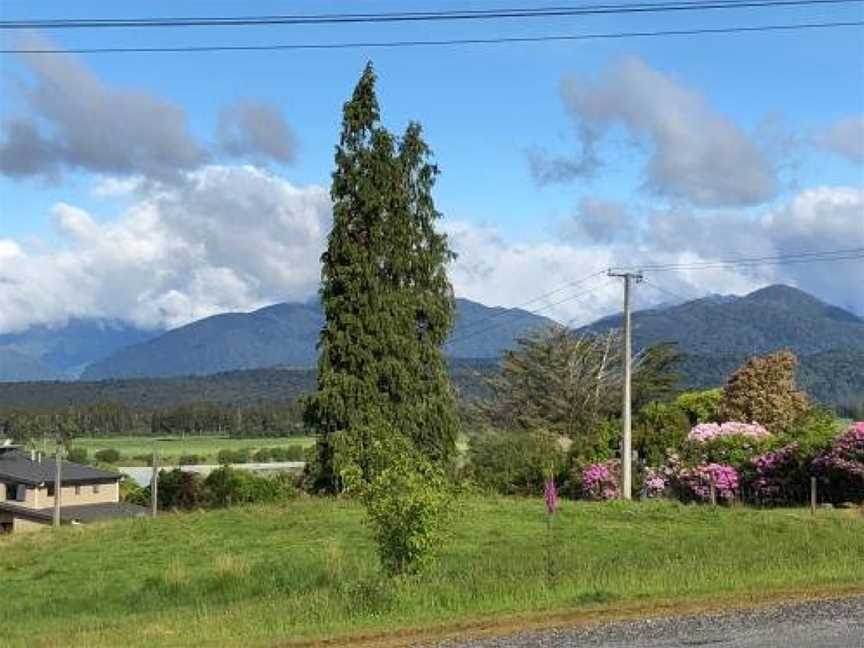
(307, 570)
(170, 448)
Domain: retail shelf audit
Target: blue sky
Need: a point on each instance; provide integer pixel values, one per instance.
(485, 110)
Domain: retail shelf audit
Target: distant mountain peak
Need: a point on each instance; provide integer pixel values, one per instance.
(782, 293)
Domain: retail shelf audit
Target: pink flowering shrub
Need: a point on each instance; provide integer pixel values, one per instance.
(705, 432)
(695, 483)
(841, 469)
(601, 481)
(656, 482)
(780, 476)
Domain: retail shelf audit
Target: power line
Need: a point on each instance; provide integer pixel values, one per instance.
(532, 312)
(555, 291)
(671, 293)
(411, 16)
(437, 43)
(786, 259)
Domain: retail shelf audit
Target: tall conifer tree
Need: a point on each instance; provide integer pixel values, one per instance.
(388, 304)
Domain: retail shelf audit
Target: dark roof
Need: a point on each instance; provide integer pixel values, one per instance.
(82, 513)
(17, 466)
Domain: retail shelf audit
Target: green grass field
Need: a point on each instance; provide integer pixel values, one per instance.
(170, 448)
(307, 570)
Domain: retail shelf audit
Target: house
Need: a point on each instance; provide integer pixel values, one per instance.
(27, 488)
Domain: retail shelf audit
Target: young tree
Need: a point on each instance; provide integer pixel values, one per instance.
(764, 390)
(387, 302)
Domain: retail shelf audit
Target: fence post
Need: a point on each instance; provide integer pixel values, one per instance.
(712, 492)
(154, 486)
(813, 496)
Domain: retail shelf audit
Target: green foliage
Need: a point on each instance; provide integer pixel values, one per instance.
(77, 455)
(568, 383)
(515, 462)
(388, 305)
(408, 503)
(108, 455)
(701, 406)
(658, 429)
(132, 493)
(227, 486)
(736, 451)
(232, 456)
(598, 444)
(763, 390)
(289, 453)
(189, 460)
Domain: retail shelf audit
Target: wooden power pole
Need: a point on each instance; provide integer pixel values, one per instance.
(154, 485)
(58, 483)
(626, 440)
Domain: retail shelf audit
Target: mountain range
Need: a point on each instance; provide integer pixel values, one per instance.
(716, 333)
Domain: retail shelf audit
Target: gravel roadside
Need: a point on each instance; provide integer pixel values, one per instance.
(835, 623)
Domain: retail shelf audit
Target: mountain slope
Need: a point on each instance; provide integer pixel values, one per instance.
(768, 319)
(64, 351)
(286, 335)
(15, 366)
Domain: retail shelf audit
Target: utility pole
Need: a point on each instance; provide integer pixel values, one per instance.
(626, 441)
(58, 483)
(154, 484)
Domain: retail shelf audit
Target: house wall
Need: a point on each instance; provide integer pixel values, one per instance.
(108, 492)
(38, 497)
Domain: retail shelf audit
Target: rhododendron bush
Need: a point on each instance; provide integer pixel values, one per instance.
(709, 431)
(601, 481)
(841, 469)
(781, 476)
(695, 483)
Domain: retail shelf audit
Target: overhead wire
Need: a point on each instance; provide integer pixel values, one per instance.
(435, 43)
(414, 16)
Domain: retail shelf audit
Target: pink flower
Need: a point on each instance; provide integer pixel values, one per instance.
(600, 481)
(550, 494)
(708, 431)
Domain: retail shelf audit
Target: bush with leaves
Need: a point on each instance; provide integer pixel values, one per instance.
(78, 455)
(288, 453)
(701, 406)
(407, 502)
(601, 481)
(515, 462)
(190, 460)
(108, 455)
(764, 390)
(227, 486)
(659, 429)
(841, 469)
(228, 456)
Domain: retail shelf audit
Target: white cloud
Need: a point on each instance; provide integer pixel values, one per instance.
(228, 238)
(237, 238)
(696, 154)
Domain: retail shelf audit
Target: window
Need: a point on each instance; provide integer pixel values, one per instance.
(95, 489)
(50, 490)
(77, 489)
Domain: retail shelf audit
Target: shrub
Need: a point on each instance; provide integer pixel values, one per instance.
(229, 456)
(659, 428)
(289, 453)
(407, 505)
(264, 455)
(764, 390)
(601, 481)
(704, 432)
(190, 460)
(695, 483)
(781, 476)
(179, 489)
(77, 455)
(841, 469)
(515, 463)
(226, 486)
(700, 406)
(131, 492)
(656, 483)
(108, 455)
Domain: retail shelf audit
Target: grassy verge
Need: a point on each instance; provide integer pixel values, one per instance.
(170, 448)
(307, 570)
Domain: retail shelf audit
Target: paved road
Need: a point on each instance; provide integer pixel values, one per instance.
(822, 624)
